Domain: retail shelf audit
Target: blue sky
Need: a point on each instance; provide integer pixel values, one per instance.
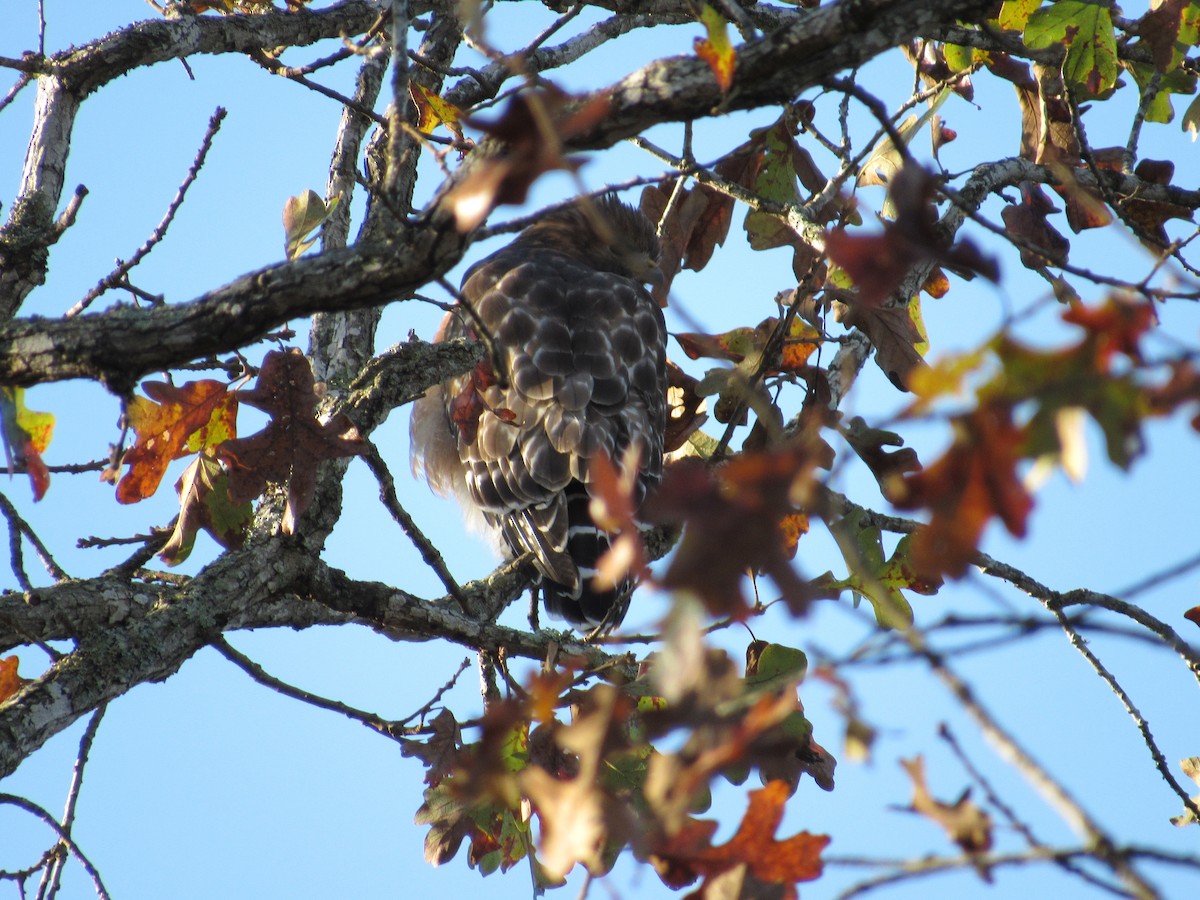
(210, 785)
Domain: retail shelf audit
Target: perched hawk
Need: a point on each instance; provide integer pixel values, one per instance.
(584, 348)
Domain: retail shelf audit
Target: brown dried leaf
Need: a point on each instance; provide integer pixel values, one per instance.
(967, 825)
(294, 442)
(531, 132)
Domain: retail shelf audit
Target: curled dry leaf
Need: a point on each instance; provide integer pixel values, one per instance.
(967, 825)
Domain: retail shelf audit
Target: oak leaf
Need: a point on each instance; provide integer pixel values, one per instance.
(10, 681)
(690, 854)
(204, 503)
(967, 825)
(171, 422)
(25, 435)
(287, 451)
(974, 481)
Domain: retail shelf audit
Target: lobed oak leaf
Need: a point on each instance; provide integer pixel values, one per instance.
(25, 435)
(10, 681)
(580, 822)
(695, 225)
(973, 482)
(440, 750)
(204, 503)
(870, 575)
(1028, 220)
(171, 422)
(734, 517)
(888, 466)
(287, 451)
(689, 854)
(1086, 31)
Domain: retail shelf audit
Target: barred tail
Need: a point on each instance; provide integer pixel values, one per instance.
(583, 604)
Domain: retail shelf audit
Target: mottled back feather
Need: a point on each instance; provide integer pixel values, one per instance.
(584, 346)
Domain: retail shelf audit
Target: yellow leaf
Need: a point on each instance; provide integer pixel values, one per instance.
(716, 50)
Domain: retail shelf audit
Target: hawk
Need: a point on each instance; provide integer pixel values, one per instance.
(583, 347)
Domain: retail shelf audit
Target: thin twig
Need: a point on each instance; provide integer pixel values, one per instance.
(1158, 578)
(23, 79)
(387, 494)
(53, 875)
(18, 526)
(1143, 726)
(255, 671)
(1016, 822)
(439, 693)
(114, 278)
(35, 810)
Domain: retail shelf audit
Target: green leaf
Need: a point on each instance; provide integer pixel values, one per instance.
(770, 664)
(1086, 30)
(870, 576)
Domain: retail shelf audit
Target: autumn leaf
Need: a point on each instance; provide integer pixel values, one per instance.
(740, 344)
(171, 422)
(204, 503)
(715, 49)
(888, 466)
(288, 450)
(529, 135)
(26, 435)
(433, 111)
(302, 215)
(694, 226)
(685, 408)
(1170, 27)
(1029, 220)
(870, 575)
(1048, 133)
(973, 482)
(967, 825)
(474, 796)
(878, 262)
(735, 520)
(1190, 766)
(10, 681)
(577, 818)
(613, 507)
(895, 336)
(689, 854)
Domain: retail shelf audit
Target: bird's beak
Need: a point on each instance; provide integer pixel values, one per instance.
(653, 276)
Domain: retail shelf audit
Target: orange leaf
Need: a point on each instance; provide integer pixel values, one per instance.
(10, 681)
(975, 480)
(184, 420)
(25, 435)
(689, 853)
